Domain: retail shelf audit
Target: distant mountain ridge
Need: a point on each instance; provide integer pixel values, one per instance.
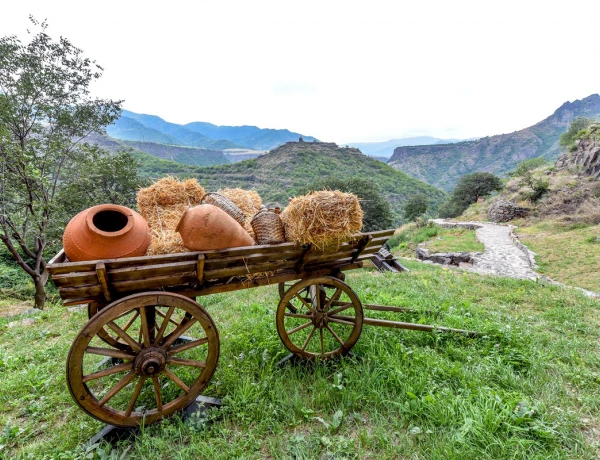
(386, 148)
(133, 126)
(443, 164)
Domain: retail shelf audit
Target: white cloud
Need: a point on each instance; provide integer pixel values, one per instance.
(338, 70)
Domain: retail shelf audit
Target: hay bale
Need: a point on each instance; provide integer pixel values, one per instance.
(247, 200)
(322, 218)
(162, 205)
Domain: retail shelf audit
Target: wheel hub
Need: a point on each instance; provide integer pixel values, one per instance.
(150, 361)
(320, 319)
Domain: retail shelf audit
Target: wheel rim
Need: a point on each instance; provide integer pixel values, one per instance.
(162, 371)
(324, 324)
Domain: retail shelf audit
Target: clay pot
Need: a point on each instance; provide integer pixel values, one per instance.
(207, 227)
(106, 231)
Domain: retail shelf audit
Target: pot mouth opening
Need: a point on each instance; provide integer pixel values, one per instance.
(110, 221)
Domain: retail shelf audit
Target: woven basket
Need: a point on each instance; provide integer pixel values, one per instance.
(268, 227)
(226, 205)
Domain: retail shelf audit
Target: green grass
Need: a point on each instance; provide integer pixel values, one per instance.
(528, 387)
(436, 239)
(567, 253)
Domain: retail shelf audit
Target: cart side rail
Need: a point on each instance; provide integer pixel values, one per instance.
(107, 280)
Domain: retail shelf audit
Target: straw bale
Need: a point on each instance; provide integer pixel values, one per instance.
(162, 204)
(322, 218)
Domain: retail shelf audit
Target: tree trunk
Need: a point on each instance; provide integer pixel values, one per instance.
(40, 290)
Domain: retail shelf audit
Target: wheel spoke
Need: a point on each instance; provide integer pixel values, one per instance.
(185, 362)
(334, 334)
(130, 322)
(118, 387)
(177, 380)
(332, 299)
(317, 299)
(109, 352)
(299, 328)
(322, 344)
(306, 304)
(340, 309)
(297, 315)
(346, 320)
(157, 394)
(180, 329)
(164, 324)
(186, 346)
(126, 338)
(134, 397)
(108, 371)
(308, 338)
(144, 329)
(160, 313)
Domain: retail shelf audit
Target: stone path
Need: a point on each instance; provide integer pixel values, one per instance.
(502, 256)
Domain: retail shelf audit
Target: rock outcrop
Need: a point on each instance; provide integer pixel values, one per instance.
(586, 157)
(505, 211)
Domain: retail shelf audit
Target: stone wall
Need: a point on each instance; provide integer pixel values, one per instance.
(505, 211)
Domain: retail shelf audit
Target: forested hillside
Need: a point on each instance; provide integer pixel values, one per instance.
(287, 170)
(442, 165)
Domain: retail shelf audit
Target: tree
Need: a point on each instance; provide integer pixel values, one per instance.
(376, 209)
(415, 206)
(579, 124)
(46, 112)
(469, 188)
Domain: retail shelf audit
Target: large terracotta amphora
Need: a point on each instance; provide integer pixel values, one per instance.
(207, 227)
(106, 231)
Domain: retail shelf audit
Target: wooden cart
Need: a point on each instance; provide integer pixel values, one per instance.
(149, 349)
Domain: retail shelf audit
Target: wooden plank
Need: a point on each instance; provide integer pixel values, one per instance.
(248, 270)
(305, 255)
(75, 279)
(156, 282)
(361, 245)
(225, 262)
(58, 258)
(81, 292)
(103, 279)
(200, 269)
(150, 271)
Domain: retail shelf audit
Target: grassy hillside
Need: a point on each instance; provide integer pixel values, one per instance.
(442, 165)
(526, 388)
(288, 169)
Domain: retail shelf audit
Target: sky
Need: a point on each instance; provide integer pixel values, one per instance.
(342, 71)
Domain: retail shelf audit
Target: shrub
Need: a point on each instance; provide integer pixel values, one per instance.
(415, 206)
(527, 166)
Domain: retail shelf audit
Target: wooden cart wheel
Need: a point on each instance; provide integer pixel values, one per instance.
(108, 336)
(326, 324)
(160, 373)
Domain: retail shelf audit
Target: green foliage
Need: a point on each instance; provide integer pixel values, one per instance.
(377, 212)
(469, 188)
(576, 130)
(526, 166)
(415, 206)
(45, 114)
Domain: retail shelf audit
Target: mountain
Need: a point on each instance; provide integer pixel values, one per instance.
(151, 128)
(443, 164)
(161, 158)
(247, 136)
(288, 169)
(185, 155)
(386, 148)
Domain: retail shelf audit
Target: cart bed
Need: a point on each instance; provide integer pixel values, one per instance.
(207, 272)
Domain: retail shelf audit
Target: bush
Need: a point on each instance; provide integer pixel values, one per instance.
(415, 206)
(469, 188)
(576, 130)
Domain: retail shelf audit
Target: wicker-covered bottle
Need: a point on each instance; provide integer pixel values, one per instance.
(268, 227)
(220, 201)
